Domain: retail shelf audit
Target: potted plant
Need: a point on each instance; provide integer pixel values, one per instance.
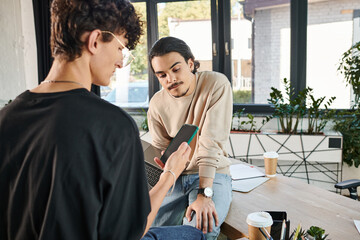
(316, 233)
(288, 109)
(350, 67)
(296, 142)
(313, 233)
(348, 121)
(248, 125)
(291, 109)
(318, 118)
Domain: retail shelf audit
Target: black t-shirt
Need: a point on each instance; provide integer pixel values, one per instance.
(71, 167)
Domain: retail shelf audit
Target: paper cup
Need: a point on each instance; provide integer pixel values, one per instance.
(258, 220)
(270, 161)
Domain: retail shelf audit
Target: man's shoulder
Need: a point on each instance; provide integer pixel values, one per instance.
(95, 110)
(213, 78)
(114, 115)
(157, 98)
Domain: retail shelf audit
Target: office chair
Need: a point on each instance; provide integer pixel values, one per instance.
(351, 185)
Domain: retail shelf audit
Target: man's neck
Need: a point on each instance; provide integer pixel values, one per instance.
(66, 73)
(192, 86)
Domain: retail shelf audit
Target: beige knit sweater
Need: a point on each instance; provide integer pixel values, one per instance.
(210, 108)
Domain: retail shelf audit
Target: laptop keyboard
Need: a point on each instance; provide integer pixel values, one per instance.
(152, 174)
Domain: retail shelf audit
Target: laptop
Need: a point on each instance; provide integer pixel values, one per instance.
(152, 170)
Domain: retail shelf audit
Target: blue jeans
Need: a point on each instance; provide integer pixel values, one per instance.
(173, 208)
(174, 233)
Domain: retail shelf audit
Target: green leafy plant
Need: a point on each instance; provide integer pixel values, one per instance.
(317, 233)
(144, 124)
(313, 233)
(248, 125)
(237, 115)
(348, 121)
(318, 118)
(250, 122)
(288, 108)
(350, 67)
(298, 233)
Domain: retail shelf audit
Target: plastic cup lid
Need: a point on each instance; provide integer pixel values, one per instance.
(271, 155)
(259, 219)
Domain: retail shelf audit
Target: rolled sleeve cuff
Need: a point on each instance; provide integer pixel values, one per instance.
(207, 171)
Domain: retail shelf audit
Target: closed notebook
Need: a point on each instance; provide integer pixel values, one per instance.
(245, 171)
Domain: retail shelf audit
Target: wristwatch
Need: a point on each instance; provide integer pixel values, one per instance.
(207, 192)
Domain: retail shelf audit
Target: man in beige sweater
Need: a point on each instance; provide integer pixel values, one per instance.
(203, 99)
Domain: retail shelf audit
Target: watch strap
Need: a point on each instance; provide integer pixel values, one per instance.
(202, 192)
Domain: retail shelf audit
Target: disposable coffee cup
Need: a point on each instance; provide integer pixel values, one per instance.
(270, 160)
(256, 221)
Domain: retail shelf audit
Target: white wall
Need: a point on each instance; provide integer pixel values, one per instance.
(18, 59)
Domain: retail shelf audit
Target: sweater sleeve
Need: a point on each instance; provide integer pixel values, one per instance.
(160, 138)
(215, 131)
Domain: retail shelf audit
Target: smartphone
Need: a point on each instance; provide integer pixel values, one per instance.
(185, 134)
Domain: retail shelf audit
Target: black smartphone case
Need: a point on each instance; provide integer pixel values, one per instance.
(185, 134)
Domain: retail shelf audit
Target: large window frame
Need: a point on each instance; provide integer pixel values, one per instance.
(221, 40)
(220, 25)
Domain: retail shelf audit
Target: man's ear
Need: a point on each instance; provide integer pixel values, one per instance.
(191, 64)
(93, 41)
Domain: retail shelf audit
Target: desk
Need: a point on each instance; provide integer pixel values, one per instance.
(304, 203)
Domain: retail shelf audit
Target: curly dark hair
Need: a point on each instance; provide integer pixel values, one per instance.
(71, 18)
(172, 44)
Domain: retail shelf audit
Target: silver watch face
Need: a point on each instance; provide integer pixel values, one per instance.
(208, 192)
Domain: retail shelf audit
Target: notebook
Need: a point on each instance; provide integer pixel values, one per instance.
(152, 170)
(245, 171)
(246, 177)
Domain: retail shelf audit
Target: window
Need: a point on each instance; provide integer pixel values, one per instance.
(255, 70)
(191, 22)
(255, 43)
(129, 87)
(241, 53)
(333, 28)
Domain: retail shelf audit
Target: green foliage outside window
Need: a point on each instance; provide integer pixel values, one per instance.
(139, 65)
(241, 96)
(190, 10)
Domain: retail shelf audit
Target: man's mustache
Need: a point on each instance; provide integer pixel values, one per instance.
(175, 85)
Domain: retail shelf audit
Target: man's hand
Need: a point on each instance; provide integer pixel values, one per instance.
(205, 213)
